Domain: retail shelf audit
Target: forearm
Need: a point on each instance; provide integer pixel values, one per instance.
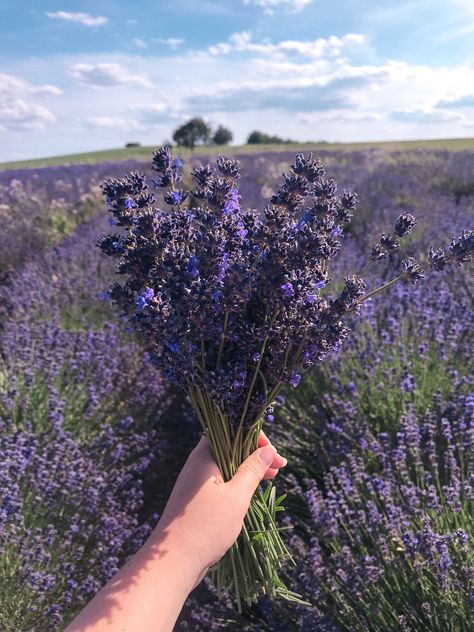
(147, 594)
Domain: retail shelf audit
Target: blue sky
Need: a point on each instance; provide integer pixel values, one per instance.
(79, 76)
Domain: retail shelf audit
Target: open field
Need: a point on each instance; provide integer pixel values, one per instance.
(379, 437)
(144, 153)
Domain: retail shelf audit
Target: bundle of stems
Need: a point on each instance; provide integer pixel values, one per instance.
(250, 568)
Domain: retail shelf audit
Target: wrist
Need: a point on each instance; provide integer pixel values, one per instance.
(176, 554)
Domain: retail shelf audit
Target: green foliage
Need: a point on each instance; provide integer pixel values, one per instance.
(222, 136)
(458, 188)
(260, 138)
(194, 132)
(51, 228)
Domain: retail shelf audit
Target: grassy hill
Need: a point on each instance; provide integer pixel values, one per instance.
(452, 144)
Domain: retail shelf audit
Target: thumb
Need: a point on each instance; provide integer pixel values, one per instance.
(251, 472)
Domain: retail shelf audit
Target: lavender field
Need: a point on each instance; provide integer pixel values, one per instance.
(379, 438)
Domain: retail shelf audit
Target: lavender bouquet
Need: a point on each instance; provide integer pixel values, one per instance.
(228, 302)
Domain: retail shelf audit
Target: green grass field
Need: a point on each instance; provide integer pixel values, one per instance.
(144, 153)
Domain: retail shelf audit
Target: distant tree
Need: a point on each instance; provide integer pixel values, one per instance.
(132, 145)
(222, 136)
(260, 138)
(194, 132)
(257, 138)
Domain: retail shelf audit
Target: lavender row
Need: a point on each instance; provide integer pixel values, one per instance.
(81, 446)
(39, 207)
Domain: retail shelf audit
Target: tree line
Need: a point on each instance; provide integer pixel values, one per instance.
(197, 132)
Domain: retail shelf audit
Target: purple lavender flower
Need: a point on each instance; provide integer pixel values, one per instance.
(232, 202)
(404, 224)
(287, 289)
(143, 299)
(174, 198)
(412, 271)
(295, 379)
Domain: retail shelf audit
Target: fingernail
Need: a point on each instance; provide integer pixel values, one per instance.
(285, 461)
(266, 454)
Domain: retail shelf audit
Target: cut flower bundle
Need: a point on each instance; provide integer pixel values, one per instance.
(228, 302)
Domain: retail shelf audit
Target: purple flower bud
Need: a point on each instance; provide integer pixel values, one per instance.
(242, 232)
(437, 259)
(405, 224)
(411, 270)
(287, 289)
(175, 197)
(142, 300)
(295, 379)
(232, 202)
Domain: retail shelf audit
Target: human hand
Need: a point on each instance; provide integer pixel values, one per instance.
(204, 515)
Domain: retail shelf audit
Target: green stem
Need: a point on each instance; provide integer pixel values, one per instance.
(237, 441)
(379, 289)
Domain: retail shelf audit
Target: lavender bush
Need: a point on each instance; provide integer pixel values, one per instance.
(78, 435)
(40, 207)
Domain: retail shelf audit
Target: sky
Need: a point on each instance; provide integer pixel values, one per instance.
(79, 76)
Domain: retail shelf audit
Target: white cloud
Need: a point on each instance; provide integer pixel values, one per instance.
(106, 122)
(139, 42)
(331, 46)
(347, 116)
(465, 101)
(174, 42)
(425, 116)
(13, 85)
(289, 6)
(157, 113)
(104, 75)
(17, 112)
(80, 18)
